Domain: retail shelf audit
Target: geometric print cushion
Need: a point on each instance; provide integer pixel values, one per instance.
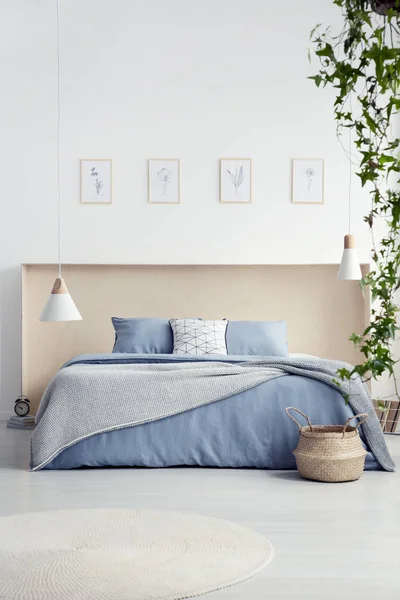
(198, 337)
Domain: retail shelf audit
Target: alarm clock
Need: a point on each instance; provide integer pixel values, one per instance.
(22, 406)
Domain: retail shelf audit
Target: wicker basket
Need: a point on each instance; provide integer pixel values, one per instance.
(329, 453)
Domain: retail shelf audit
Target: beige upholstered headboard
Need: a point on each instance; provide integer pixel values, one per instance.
(321, 311)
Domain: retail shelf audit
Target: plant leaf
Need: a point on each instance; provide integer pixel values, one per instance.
(232, 176)
(240, 176)
(384, 407)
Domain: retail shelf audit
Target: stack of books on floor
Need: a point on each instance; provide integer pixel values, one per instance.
(27, 422)
(388, 413)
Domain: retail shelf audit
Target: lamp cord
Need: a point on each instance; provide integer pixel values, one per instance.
(350, 167)
(58, 143)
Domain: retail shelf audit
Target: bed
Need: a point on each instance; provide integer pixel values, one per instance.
(164, 410)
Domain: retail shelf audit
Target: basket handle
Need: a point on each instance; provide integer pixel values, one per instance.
(362, 420)
(300, 413)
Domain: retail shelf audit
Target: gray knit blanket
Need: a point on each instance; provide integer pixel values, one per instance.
(87, 399)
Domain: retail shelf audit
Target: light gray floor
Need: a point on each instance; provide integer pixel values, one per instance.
(332, 541)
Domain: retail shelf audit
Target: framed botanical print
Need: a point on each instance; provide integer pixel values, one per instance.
(235, 180)
(96, 181)
(164, 181)
(308, 180)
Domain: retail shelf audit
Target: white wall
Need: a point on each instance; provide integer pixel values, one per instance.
(159, 78)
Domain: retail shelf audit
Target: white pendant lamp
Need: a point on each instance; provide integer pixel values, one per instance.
(59, 306)
(350, 265)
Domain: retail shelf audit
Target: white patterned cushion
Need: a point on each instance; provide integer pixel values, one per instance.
(198, 337)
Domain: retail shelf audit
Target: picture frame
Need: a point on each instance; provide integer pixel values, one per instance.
(164, 180)
(96, 180)
(308, 180)
(235, 181)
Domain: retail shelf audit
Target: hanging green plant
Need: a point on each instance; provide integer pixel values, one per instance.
(362, 63)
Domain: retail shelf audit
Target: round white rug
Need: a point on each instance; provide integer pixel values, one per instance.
(124, 555)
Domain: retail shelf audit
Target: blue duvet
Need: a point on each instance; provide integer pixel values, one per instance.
(250, 429)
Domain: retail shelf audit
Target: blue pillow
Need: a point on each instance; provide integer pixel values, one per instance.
(143, 336)
(259, 338)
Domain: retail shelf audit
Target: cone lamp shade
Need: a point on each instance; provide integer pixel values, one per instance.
(350, 266)
(60, 306)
